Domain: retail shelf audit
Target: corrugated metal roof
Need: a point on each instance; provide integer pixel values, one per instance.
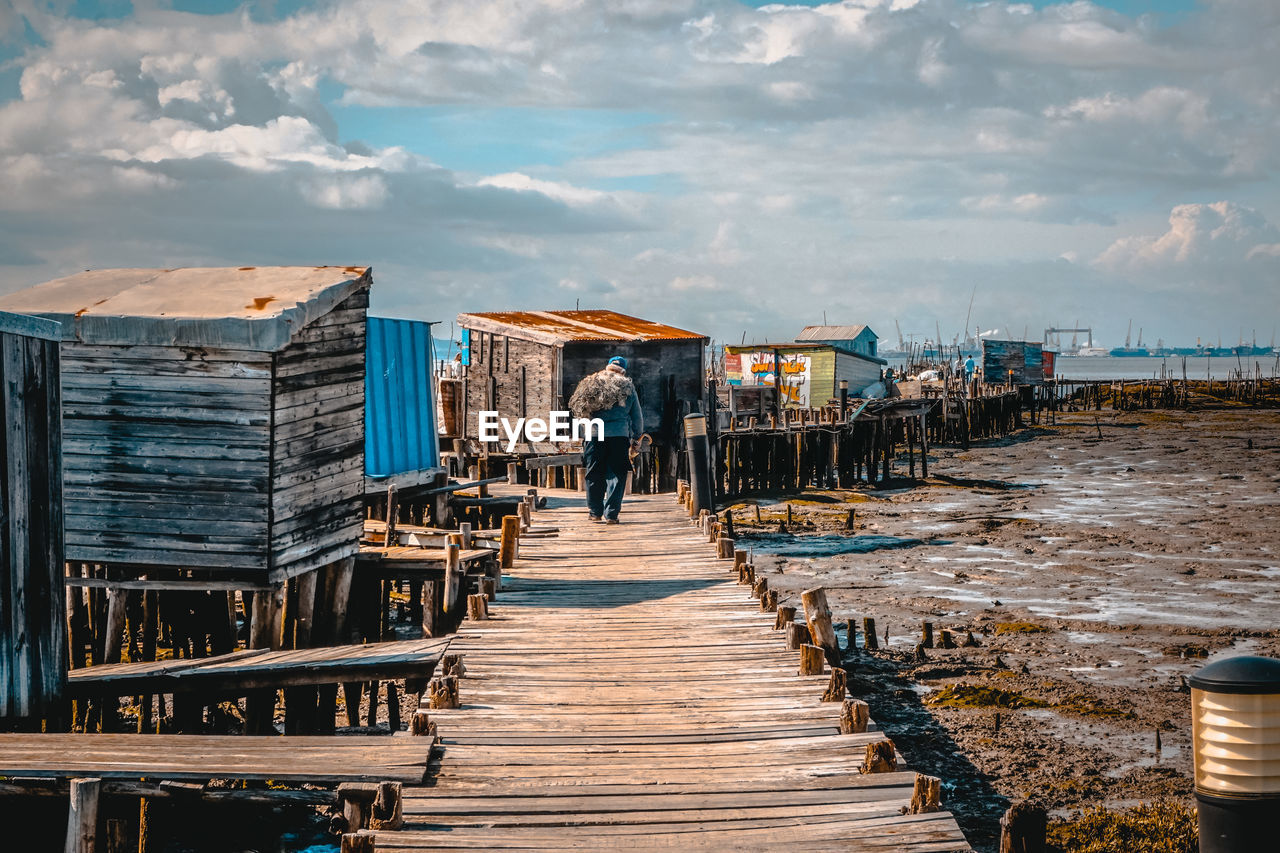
(831, 333)
(255, 308)
(399, 404)
(556, 327)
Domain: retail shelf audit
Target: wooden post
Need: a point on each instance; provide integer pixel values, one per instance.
(430, 606)
(393, 510)
(114, 638)
(926, 635)
(303, 628)
(786, 615)
(759, 588)
(420, 724)
(869, 638)
(881, 757)
(357, 842)
(812, 660)
(797, 635)
(82, 819)
(513, 474)
(739, 560)
(725, 550)
(489, 588)
(837, 687)
(1023, 828)
(452, 558)
(510, 534)
(337, 599)
(477, 607)
(443, 692)
(851, 636)
(464, 528)
(393, 707)
(769, 601)
(264, 625)
(388, 807)
(855, 715)
(926, 796)
(818, 616)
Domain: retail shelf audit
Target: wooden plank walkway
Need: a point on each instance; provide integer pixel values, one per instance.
(627, 693)
(200, 758)
(256, 668)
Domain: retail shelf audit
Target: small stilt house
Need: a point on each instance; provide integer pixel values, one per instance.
(213, 420)
(33, 645)
(527, 364)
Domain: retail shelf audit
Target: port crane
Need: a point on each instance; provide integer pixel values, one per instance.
(1054, 333)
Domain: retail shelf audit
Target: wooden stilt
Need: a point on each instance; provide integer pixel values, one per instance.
(82, 818)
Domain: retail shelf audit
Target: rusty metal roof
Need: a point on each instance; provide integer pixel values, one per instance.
(254, 308)
(558, 327)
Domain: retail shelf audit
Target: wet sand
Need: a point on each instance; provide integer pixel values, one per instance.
(1097, 563)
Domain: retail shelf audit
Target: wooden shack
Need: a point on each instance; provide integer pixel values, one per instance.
(527, 363)
(805, 374)
(856, 339)
(33, 645)
(213, 422)
(1013, 362)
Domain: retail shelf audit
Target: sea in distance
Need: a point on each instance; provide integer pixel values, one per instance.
(1107, 368)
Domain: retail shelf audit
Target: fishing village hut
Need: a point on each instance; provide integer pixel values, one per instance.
(805, 374)
(527, 363)
(33, 647)
(213, 426)
(859, 339)
(1014, 362)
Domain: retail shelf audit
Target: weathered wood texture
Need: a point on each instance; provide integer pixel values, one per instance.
(626, 694)
(242, 461)
(318, 760)
(33, 645)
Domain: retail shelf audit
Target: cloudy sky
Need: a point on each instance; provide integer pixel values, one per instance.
(727, 166)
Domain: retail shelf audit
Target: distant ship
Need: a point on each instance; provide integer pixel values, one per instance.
(1127, 351)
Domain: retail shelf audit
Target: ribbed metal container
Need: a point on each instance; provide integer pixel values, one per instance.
(400, 415)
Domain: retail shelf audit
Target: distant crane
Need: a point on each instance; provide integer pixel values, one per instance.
(902, 345)
(1055, 333)
(1128, 334)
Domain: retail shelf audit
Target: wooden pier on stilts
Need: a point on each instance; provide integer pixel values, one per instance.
(626, 692)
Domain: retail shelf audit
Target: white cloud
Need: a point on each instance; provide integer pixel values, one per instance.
(347, 192)
(1220, 233)
(551, 189)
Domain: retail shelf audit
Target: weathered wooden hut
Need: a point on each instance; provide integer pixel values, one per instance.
(1013, 362)
(527, 363)
(33, 645)
(856, 339)
(805, 374)
(213, 421)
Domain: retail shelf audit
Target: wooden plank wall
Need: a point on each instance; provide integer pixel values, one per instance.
(317, 459)
(668, 376)
(33, 645)
(166, 455)
(513, 377)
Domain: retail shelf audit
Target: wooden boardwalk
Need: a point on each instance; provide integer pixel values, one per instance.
(627, 693)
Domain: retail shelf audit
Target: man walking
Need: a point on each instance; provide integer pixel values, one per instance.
(610, 396)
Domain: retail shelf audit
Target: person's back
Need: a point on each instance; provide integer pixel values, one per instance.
(610, 396)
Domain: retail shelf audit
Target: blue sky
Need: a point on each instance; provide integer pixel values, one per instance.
(706, 162)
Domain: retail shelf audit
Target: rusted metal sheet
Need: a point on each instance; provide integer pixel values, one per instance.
(557, 327)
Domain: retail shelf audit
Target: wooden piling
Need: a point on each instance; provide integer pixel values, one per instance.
(1023, 828)
(837, 687)
(881, 757)
(786, 615)
(855, 716)
(926, 796)
(813, 660)
(477, 607)
(926, 635)
(797, 635)
(507, 546)
(869, 638)
(82, 818)
(817, 615)
(442, 692)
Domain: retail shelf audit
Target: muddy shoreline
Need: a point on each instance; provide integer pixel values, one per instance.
(1096, 563)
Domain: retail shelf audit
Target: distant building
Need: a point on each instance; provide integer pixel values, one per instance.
(856, 339)
(810, 372)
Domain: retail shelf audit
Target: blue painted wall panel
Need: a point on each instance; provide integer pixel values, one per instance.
(400, 412)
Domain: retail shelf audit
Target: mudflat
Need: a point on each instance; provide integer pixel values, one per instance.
(1083, 568)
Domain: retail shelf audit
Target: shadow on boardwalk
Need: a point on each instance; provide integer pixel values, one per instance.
(595, 594)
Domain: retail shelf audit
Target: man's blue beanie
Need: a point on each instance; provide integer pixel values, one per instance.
(620, 361)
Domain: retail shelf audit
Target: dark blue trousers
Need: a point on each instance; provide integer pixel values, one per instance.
(606, 463)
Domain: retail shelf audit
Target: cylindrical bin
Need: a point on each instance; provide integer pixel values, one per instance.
(695, 441)
(1235, 716)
